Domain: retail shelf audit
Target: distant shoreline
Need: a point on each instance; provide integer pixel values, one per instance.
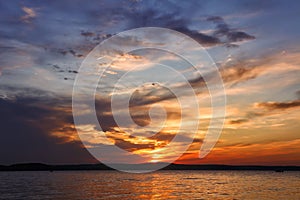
(80, 167)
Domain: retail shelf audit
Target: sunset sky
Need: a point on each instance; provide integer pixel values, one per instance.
(254, 44)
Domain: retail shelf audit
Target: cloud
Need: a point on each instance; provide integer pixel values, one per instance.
(87, 34)
(238, 121)
(173, 20)
(129, 146)
(254, 114)
(203, 39)
(72, 52)
(150, 94)
(234, 70)
(270, 105)
(60, 36)
(238, 36)
(27, 128)
(148, 139)
(15, 54)
(267, 111)
(232, 35)
(30, 14)
(215, 19)
(238, 73)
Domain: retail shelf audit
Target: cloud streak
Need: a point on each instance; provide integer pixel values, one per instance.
(278, 105)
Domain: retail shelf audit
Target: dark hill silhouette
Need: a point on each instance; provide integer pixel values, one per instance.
(45, 167)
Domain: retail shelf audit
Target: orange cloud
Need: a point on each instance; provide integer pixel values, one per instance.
(272, 153)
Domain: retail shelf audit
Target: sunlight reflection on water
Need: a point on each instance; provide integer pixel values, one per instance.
(158, 185)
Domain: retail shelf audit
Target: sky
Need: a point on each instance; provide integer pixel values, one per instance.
(254, 45)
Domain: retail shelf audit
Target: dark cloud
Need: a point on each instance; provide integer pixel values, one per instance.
(139, 107)
(231, 45)
(197, 82)
(172, 20)
(203, 39)
(56, 66)
(163, 137)
(215, 19)
(55, 24)
(104, 114)
(87, 34)
(238, 36)
(232, 35)
(238, 121)
(65, 52)
(123, 144)
(150, 94)
(62, 51)
(27, 127)
(279, 105)
(73, 71)
(72, 52)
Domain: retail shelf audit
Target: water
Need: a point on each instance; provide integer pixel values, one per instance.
(158, 185)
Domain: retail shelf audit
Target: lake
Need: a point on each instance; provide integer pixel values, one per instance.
(156, 185)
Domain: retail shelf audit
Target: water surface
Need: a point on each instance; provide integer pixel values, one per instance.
(157, 185)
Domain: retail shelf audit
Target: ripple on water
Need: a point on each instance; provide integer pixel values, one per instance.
(158, 185)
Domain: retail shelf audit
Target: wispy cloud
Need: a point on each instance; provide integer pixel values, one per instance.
(232, 35)
(278, 105)
(30, 14)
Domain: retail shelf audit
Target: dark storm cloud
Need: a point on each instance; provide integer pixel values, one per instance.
(173, 20)
(27, 124)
